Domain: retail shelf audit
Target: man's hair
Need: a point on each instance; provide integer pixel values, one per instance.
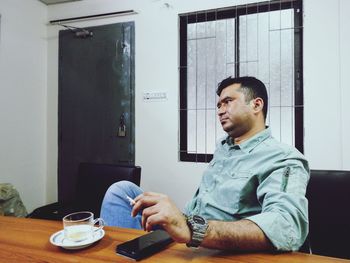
(250, 86)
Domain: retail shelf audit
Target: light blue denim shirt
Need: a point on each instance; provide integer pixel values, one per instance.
(262, 180)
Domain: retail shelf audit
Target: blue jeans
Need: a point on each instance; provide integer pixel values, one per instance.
(116, 209)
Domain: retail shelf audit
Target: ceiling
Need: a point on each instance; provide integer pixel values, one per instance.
(52, 2)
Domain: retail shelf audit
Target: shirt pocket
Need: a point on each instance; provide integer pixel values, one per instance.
(230, 189)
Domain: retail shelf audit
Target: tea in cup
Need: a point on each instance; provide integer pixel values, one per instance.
(79, 226)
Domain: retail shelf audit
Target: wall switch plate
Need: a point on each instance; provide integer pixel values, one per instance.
(155, 96)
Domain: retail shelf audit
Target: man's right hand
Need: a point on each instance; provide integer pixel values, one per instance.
(158, 209)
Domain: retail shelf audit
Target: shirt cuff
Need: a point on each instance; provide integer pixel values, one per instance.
(277, 229)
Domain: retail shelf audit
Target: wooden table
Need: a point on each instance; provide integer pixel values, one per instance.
(27, 240)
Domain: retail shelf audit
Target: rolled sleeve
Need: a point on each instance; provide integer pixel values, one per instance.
(284, 216)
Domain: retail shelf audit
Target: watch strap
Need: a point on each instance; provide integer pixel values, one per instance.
(198, 226)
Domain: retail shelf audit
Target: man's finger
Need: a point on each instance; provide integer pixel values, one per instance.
(147, 212)
(145, 194)
(142, 203)
(155, 219)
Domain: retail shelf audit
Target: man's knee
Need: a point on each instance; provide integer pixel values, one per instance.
(120, 187)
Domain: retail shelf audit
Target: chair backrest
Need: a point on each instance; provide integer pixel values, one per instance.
(94, 180)
(328, 193)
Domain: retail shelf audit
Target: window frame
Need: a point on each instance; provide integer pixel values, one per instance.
(229, 13)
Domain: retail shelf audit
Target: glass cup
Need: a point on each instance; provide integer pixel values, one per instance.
(79, 226)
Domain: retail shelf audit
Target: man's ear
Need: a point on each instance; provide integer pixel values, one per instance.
(257, 104)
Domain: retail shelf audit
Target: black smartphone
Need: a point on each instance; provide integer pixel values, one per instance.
(145, 245)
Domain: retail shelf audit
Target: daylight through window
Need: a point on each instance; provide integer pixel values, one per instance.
(263, 40)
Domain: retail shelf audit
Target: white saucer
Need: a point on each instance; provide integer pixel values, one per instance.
(58, 239)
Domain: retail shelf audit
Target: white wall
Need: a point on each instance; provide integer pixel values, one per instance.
(326, 63)
(23, 84)
(344, 61)
(326, 83)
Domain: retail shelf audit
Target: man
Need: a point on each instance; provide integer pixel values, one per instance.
(252, 196)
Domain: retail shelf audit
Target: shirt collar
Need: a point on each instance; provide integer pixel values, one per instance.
(249, 144)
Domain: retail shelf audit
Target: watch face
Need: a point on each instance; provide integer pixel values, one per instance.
(198, 220)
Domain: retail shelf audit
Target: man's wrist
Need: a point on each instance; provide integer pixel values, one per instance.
(187, 230)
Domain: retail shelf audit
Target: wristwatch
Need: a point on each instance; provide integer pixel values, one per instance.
(198, 226)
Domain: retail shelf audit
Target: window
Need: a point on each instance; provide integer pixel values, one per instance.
(263, 40)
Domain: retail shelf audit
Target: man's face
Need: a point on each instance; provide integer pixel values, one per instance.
(235, 114)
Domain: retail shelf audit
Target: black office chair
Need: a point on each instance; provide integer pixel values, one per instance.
(93, 181)
(328, 193)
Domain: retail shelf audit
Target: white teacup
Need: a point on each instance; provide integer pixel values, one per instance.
(79, 226)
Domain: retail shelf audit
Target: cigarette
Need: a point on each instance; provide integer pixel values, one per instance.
(132, 201)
